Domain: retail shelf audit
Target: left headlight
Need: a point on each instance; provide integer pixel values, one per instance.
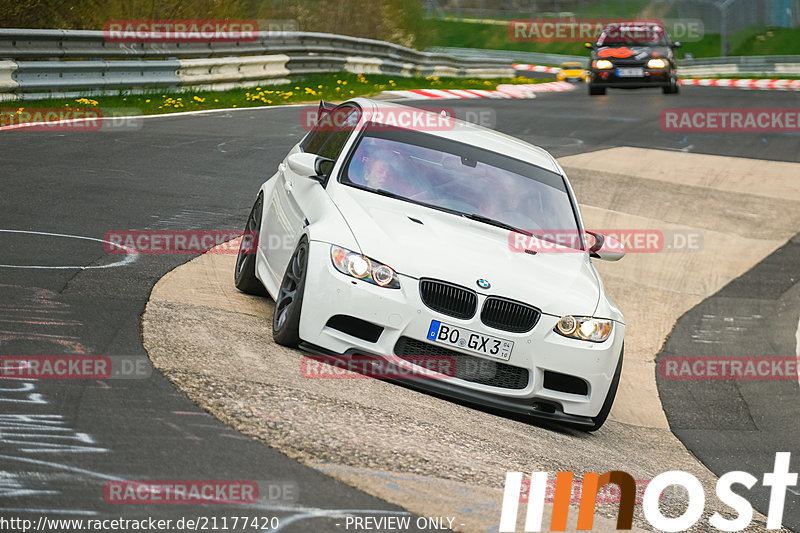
(656, 63)
(584, 328)
(362, 267)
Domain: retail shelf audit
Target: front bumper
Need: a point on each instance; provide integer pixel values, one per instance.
(652, 78)
(401, 313)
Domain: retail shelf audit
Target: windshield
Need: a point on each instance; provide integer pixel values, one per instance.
(634, 35)
(461, 179)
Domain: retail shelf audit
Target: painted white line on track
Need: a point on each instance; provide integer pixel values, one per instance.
(129, 258)
(160, 115)
(301, 512)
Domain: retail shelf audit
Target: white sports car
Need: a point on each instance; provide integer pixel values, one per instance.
(394, 232)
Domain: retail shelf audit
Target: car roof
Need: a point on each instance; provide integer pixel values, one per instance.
(479, 136)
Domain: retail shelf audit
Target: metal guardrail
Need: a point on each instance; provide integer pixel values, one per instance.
(742, 60)
(534, 58)
(707, 66)
(44, 63)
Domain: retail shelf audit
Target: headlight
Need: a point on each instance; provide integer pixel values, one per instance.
(603, 64)
(362, 267)
(656, 63)
(584, 328)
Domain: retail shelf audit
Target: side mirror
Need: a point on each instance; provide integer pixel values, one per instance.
(590, 46)
(309, 165)
(605, 248)
(676, 44)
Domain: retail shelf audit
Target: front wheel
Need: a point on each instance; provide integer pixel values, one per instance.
(601, 417)
(673, 88)
(286, 319)
(245, 273)
(596, 91)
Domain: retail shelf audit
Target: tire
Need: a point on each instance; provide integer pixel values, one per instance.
(289, 301)
(673, 88)
(596, 91)
(244, 274)
(601, 417)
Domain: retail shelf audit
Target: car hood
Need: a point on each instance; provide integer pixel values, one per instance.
(631, 53)
(440, 245)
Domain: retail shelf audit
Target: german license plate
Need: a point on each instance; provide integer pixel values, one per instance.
(630, 72)
(470, 341)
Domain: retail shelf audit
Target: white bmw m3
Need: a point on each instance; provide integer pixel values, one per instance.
(394, 232)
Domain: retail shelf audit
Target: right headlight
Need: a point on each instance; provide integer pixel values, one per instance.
(584, 328)
(603, 64)
(362, 267)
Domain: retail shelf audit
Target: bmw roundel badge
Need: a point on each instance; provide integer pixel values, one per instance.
(483, 284)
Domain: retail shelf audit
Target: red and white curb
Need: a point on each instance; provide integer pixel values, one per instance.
(522, 90)
(758, 85)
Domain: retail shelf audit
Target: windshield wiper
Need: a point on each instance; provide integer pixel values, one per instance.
(496, 223)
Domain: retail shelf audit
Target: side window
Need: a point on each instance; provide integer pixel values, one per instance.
(344, 120)
(332, 131)
(315, 139)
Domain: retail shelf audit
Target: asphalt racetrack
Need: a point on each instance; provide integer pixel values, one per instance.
(62, 293)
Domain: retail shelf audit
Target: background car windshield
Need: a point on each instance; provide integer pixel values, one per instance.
(632, 36)
(447, 175)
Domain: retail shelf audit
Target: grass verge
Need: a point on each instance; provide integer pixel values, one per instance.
(494, 36)
(331, 87)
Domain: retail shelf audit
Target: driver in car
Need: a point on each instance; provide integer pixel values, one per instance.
(382, 170)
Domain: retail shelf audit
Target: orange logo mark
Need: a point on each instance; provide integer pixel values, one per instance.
(616, 52)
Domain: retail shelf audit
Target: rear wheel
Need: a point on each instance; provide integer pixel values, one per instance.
(601, 417)
(245, 273)
(286, 319)
(596, 91)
